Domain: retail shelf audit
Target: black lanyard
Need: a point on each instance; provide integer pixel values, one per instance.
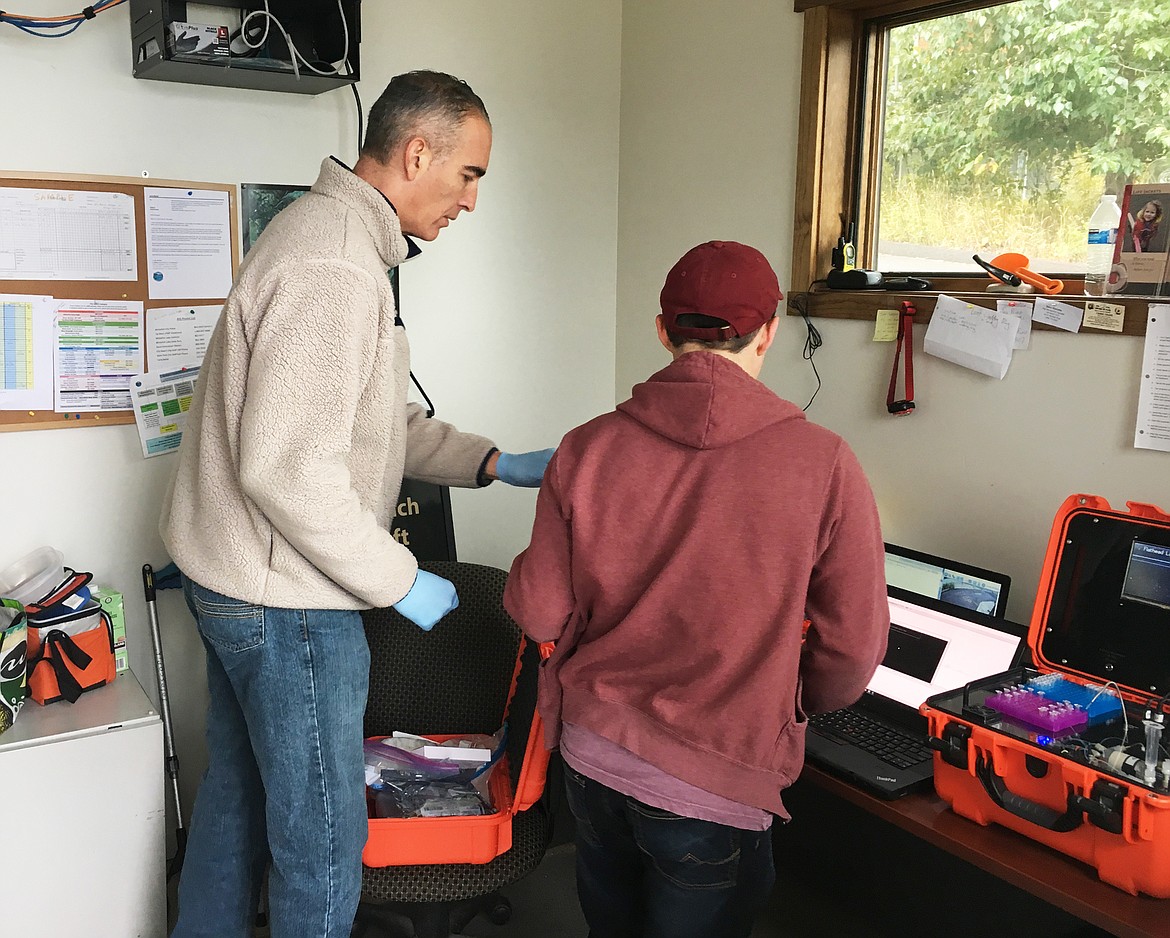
(905, 332)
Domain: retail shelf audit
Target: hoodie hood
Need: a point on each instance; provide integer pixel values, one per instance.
(704, 401)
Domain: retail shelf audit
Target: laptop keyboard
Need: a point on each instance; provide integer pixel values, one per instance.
(900, 749)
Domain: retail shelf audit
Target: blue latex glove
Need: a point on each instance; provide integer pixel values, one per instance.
(430, 598)
(525, 469)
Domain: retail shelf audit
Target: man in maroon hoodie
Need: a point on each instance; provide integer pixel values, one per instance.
(679, 545)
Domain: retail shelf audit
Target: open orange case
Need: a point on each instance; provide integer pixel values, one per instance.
(477, 839)
(1071, 751)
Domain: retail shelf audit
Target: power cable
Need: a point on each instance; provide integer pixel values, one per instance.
(812, 342)
(297, 58)
(361, 133)
(37, 25)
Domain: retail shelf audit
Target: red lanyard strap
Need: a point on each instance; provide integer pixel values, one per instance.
(906, 333)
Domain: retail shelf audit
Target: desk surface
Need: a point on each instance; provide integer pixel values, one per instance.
(1058, 879)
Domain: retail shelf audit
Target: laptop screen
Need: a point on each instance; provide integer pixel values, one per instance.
(932, 651)
(959, 584)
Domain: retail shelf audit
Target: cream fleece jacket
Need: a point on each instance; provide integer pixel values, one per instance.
(300, 432)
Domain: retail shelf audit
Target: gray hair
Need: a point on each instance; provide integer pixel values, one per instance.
(431, 105)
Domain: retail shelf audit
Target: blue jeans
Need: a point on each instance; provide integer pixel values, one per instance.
(646, 873)
(284, 782)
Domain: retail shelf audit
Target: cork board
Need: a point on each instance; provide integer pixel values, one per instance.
(137, 290)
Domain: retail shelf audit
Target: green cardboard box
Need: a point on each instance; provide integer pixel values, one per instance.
(111, 601)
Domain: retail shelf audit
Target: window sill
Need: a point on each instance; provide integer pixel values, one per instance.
(864, 304)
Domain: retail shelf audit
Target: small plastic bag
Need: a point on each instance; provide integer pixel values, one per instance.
(441, 798)
(404, 783)
(383, 757)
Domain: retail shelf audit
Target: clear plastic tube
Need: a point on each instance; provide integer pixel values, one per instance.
(1153, 739)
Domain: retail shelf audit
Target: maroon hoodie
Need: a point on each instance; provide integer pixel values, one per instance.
(679, 544)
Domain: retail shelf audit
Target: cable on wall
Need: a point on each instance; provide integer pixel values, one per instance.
(297, 58)
(812, 342)
(361, 132)
(55, 27)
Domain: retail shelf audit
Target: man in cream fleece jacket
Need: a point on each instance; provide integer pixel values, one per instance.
(295, 448)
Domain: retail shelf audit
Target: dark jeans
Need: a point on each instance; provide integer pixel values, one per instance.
(646, 873)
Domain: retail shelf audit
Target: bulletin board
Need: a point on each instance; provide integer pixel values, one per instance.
(137, 290)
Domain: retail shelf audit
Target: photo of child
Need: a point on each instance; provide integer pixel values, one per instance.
(1141, 260)
(1144, 227)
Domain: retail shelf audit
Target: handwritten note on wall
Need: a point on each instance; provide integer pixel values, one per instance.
(972, 336)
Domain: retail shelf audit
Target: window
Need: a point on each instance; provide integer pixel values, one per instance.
(975, 128)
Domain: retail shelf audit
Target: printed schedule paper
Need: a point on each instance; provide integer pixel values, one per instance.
(1153, 421)
(67, 234)
(98, 350)
(26, 352)
(178, 336)
(161, 403)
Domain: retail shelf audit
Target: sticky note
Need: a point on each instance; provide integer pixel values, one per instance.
(885, 327)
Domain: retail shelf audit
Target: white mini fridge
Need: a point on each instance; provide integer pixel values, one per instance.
(83, 819)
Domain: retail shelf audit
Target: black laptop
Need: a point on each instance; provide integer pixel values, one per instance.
(951, 581)
(879, 743)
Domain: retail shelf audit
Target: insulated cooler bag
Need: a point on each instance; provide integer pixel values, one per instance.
(1072, 752)
(70, 642)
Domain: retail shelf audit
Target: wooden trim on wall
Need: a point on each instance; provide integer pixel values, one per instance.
(824, 167)
(869, 9)
(864, 304)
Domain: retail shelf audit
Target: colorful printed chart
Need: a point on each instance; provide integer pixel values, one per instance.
(16, 346)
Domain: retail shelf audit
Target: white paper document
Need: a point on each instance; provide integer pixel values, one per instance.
(188, 243)
(972, 336)
(1061, 315)
(67, 234)
(98, 351)
(26, 352)
(1153, 421)
(161, 403)
(1021, 310)
(178, 336)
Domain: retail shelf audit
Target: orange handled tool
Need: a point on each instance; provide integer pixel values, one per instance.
(1018, 265)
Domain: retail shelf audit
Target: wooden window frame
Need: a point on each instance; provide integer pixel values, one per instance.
(835, 183)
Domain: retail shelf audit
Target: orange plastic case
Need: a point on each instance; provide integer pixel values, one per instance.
(1102, 622)
(479, 839)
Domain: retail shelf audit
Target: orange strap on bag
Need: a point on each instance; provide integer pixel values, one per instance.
(75, 663)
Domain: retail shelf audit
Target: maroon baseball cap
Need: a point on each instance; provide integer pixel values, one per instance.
(725, 280)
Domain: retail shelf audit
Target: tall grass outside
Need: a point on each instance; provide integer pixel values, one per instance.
(936, 212)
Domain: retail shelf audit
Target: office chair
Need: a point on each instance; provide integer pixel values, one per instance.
(455, 679)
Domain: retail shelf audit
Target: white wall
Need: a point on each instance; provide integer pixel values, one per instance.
(708, 144)
(511, 312)
(709, 107)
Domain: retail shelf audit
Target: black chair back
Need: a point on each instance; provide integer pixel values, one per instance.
(456, 678)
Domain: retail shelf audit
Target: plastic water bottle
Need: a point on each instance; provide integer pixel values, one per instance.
(1103, 224)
